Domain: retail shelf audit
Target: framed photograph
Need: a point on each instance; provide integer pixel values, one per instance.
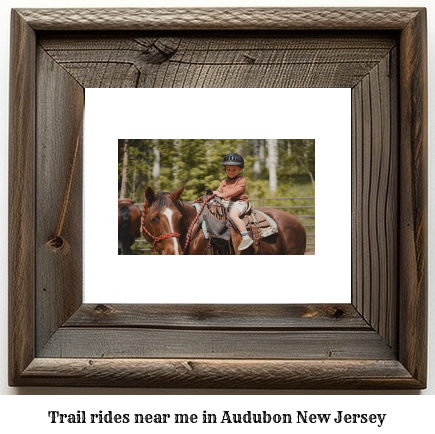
(375, 341)
(233, 113)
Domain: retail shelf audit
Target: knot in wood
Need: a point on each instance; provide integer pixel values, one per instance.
(103, 309)
(58, 244)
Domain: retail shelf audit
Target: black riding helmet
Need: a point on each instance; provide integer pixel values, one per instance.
(233, 160)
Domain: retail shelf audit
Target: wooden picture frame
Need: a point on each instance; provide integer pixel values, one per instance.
(377, 341)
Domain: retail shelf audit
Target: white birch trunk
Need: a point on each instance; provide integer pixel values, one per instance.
(261, 152)
(257, 167)
(175, 168)
(272, 162)
(156, 166)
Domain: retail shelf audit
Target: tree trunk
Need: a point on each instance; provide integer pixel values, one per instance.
(257, 168)
(134, 180)
(156, 166)
(123, 194)
(272, 162)
(309, 173)
(261, 152)
(175, 164)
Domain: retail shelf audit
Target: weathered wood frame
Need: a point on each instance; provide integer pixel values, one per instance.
(377, 341)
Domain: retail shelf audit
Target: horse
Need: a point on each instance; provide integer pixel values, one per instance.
(129, 219)
(167, 220)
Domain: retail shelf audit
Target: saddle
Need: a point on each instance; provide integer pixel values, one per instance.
(216, 222)
(258, 225)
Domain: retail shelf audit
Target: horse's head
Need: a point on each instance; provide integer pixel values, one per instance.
(162, 221)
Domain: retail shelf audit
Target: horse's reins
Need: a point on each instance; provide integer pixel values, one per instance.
(189, 232)
(174, 234)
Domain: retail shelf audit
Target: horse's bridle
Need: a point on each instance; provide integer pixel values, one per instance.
(160, 237)
(172, 235)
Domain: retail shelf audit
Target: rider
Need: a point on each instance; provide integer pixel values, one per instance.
(233, 193)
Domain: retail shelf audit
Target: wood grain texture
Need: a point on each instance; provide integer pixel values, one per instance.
(220, 18)
(413, 193)
(375, 198)
(21, 259)
(127, 342)
(378, 342)
(59, 278)
(236, 60)
(228, 374)
(220, 317)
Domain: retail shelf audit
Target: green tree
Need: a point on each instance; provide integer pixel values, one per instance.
(297, 161)
(197, 164)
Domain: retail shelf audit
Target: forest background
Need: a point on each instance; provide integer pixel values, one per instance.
(274, 168)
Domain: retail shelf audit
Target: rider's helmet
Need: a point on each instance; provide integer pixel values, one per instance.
(233, 160)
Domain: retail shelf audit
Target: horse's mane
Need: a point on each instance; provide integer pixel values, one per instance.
(162, 201)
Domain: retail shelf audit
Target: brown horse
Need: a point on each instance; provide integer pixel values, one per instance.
(167, 220)
(128, 224)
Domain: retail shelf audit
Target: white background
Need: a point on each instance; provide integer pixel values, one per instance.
(407, 412)
(320, 114)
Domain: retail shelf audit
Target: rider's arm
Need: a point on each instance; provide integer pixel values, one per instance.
(219, 191)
